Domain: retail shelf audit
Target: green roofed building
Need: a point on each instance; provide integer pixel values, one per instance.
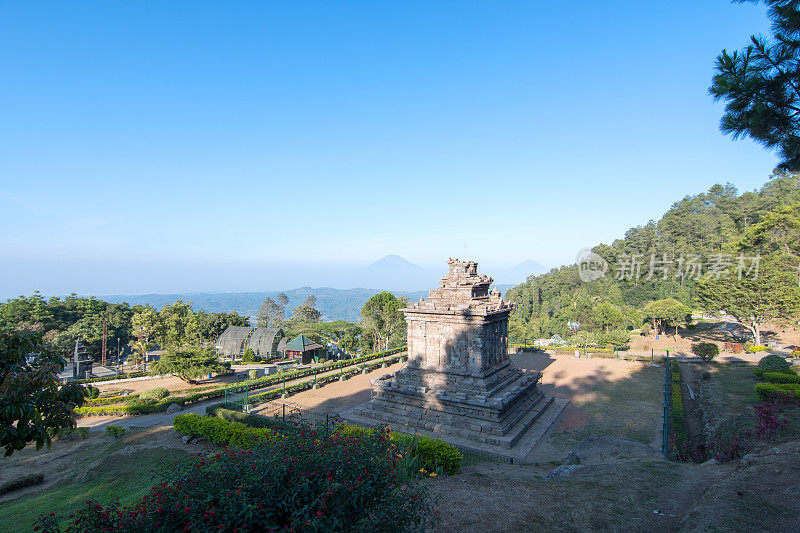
(304, 349)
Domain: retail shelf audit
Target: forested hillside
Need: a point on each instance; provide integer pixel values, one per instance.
(660, 260)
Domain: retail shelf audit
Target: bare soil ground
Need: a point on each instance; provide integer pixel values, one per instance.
(172, 384)
(335, 397)
(634, 496)
(719, 332)
(607, 397)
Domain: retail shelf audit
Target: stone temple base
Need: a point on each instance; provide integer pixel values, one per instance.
(498, 419)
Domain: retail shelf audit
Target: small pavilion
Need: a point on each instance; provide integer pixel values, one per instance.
(304, 349)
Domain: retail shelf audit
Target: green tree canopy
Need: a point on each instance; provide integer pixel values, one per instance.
(665, 313)
(753, 300)
(761, 85)
(33, 404)
(270, 314)
(307, 311)
(188, 364)
(382, 318)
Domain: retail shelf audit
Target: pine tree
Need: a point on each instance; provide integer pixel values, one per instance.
(761, 85)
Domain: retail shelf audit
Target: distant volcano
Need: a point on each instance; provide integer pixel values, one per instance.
(519, 273)
(396, 273)
(392, 262)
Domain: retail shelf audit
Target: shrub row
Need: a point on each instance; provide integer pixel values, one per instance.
(432, 455)
(231, 428)
(112, 378)
(677, 418)
(148, 408)
(256, 421)
(769, 391)
(222, 432)
(780, 377)
(108, 400)
(21, 482)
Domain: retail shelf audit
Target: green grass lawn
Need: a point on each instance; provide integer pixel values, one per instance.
(629, 408)
(115, 476)
(736, 382)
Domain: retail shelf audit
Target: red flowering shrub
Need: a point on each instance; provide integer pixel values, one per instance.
(302, 482)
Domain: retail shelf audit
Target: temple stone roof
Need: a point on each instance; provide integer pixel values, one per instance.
(462, 291)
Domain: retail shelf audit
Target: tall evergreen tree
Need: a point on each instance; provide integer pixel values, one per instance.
(761, 85)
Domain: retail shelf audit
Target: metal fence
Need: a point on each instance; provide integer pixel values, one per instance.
(238, 401)
(289, 412)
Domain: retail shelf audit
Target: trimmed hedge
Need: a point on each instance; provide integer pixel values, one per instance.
(677, 415)
(775, 363)
(157, 407)
(256, 421)
(112, 378)
(159, 393)
(221, 431)
(22, 482)
(759, 372)
(431, 454)
(780, 377)
(768, 391)
(109, 400)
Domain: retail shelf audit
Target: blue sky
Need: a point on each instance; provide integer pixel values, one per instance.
(214, 146)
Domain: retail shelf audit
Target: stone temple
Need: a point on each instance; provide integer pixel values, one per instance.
(459, 384)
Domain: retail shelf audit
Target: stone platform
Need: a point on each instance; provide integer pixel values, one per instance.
(528, 431)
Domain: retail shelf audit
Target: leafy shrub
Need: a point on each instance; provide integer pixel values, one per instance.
(434, 454)
(222, 432)
(115, 431)
(780, 377)
(769, 391)
(92, 392)
(756, 349)
(109, 400)
(705, 350)
(21, 482)
(431, 454)
(253, 373)
(774, 363)
(249, 356)
(256, 421)
(691, 327)
(82, 432)
(303, 482)
(158, 393)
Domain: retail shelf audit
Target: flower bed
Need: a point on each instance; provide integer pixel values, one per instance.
(301, 481)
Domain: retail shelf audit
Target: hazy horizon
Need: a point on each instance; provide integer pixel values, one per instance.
(256, 146)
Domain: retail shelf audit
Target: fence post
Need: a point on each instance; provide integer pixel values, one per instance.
(284, 413)
(652, 357)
